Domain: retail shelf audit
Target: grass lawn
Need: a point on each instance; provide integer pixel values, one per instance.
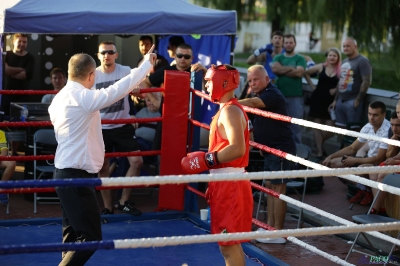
(383, 69)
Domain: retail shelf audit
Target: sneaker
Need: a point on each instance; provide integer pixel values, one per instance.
(368, 198)
(106, 211)
(4, 199)
(278, 240)
(128, 208)
(359, 196)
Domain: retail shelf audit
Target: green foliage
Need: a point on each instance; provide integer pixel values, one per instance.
(373, 23)
(383, 68)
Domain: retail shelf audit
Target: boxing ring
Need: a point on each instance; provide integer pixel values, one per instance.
(157, 236)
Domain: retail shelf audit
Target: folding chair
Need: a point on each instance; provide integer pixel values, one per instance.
(302, 151)
(43, 137)
(392, 180)
(18, 136)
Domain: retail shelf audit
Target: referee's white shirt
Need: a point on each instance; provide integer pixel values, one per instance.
(74, 113)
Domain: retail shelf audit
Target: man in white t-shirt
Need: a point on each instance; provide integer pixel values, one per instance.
(117, 137)
(377, 126)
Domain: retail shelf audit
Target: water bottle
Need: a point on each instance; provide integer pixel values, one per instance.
(209, 215)
(333, 114)
(24, 113)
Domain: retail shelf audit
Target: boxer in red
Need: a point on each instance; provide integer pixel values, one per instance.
(231, 202)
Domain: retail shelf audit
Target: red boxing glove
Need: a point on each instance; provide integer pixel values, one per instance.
(197, 162)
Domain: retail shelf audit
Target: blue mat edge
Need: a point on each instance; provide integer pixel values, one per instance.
(249, 249)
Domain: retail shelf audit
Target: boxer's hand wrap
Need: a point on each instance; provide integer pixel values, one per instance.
(197, 162)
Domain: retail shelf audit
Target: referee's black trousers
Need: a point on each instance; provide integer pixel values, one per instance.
(81, 215)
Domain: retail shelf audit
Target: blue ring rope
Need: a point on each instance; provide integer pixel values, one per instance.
(54, 247)
(73, 182)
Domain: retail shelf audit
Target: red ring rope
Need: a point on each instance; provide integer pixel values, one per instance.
(107, 155)
(104, 121)
(14, 92)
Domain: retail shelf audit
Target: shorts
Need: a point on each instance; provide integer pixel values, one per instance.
(275, 163)
(346, 113)
(120, 139)
(231, 208)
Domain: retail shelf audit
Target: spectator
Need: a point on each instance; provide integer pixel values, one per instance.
(313, 41)
(289, 69)
(266, 53)
(377, 126)
(117, 137)
(272, 133)
(173, 43)
(183, 57)
(323, 95)
(145, 132)
(145, 43)
(355, 79)
(58, 80)
(18, 69)
(392, 158)
(8, 166)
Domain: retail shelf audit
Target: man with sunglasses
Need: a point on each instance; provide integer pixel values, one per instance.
(117, 137)
(183, 57)
(173, 43)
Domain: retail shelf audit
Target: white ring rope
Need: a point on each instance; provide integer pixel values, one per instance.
(196, 239)
(328, 256)
(344, 131)
(352, 176)
(179, 179)
(336, 218)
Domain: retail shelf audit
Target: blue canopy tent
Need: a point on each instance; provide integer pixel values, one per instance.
(133, 17)
(217, 29)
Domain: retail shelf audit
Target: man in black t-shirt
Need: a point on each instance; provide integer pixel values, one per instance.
(274, 134)
(184, 58)
(18, 70)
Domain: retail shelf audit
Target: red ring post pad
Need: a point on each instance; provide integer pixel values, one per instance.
(174, 136)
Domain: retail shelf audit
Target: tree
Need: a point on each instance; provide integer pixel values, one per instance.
(372, 23)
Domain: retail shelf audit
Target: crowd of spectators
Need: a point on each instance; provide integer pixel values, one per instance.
(336, 100)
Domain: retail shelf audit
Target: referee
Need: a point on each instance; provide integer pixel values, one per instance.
(74, 113)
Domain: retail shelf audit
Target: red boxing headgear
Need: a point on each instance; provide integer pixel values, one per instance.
(223, 80)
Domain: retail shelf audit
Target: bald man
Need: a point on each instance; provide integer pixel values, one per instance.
(272, 133)
(355, 79)
(75, 116)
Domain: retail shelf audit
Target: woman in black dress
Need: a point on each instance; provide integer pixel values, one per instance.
(323, 95)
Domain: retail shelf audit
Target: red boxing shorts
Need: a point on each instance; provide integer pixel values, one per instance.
(231, 206)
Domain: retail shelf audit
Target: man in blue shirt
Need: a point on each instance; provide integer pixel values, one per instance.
(266, 54)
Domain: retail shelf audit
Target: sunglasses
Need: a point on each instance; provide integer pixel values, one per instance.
(186, 56)
(110, 52)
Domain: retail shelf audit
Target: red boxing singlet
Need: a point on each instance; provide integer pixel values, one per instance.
(217, 143)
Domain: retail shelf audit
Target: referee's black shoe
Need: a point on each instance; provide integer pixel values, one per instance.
(128, 208)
